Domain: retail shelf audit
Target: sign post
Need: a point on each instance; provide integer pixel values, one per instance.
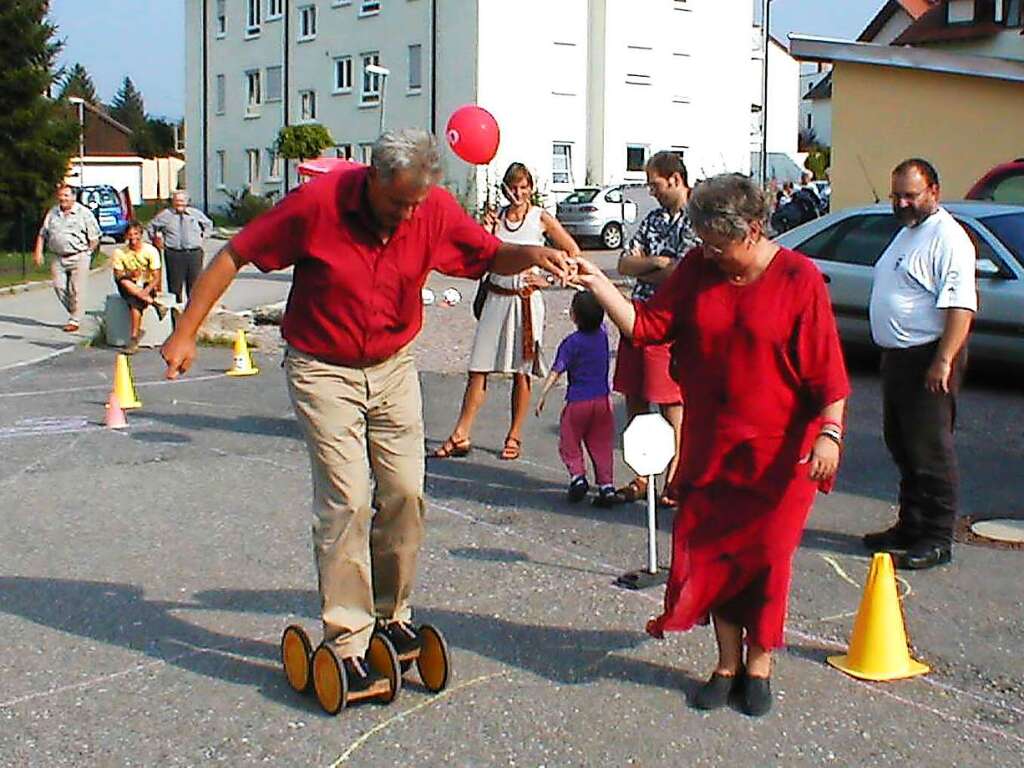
(648, 444)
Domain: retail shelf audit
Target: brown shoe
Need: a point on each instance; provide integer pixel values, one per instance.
(453, 449)
(634, 491)
(512, 449)
(70, 328)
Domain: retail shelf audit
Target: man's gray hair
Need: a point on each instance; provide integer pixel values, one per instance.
(180, 193)
(409, 149)
(727, 205)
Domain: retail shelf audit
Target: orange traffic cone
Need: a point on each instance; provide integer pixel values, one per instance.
(878, 648)
(241, 360)
(124, 386)
(115, 414)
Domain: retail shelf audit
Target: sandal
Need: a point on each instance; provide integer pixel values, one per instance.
(667, 500)
(635, 491)
(512, 449)
(453, 449)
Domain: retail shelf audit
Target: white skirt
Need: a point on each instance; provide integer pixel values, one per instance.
(498, 343)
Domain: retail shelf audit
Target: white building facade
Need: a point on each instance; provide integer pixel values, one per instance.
(583, 90)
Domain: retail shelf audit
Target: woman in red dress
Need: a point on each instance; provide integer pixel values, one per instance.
(758, 358)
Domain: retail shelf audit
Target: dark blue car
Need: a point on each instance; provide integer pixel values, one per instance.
(108, 206)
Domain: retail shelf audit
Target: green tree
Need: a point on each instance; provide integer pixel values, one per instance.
(76, 81)
(301, 142)
(38, 136)
(128, 107)
(161, 134)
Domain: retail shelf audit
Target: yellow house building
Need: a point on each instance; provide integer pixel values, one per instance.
(963, 113)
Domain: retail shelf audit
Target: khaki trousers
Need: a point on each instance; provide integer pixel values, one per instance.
(70, 274)
(362, 423)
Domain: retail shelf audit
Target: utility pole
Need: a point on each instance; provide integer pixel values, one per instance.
(766, 6)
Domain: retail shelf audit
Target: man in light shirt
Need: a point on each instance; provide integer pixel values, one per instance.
(180, 231)
(923, 300)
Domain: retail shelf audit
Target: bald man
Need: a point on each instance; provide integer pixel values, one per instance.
(180, 231)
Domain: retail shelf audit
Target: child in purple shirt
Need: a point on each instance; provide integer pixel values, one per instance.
(587, 416)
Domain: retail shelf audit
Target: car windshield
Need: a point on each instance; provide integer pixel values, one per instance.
(1010, 231)
(100, 196)
(582, 196)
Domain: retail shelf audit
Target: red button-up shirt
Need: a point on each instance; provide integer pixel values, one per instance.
(355, 300)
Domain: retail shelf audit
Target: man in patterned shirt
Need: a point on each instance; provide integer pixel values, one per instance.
(663, 238)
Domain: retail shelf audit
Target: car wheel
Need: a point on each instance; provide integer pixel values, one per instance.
(611, 236)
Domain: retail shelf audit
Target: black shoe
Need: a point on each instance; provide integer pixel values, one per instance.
(896, 537)
(605, 497)
(757, 696)
(577, 489)
(403, 636)
(922, 556)
(360, 675)
(716, 691)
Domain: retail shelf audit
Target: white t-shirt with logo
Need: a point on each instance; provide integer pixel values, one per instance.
(926, 269)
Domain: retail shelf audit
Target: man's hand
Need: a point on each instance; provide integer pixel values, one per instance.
(540, 406)
(533, 280)
(588, 274)
(936, 378)
(489, 220)
(37, 258)
(178, 352)
(557, 263)
(823, 458)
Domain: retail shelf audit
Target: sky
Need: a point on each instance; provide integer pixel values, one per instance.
(145, 39)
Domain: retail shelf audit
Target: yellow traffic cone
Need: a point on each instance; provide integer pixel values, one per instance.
(241, 359)
(878, 648)
(124, 386)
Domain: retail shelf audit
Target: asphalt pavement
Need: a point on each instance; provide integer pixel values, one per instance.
(146, 576)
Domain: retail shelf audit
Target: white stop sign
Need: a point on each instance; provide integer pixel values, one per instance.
(648, 444)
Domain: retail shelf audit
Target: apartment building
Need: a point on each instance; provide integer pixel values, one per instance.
(583, 90)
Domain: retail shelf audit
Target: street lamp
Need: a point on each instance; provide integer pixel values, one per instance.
(382, 73)
(81, 138)
(766, 39)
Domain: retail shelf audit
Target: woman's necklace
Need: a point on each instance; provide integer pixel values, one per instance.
(519, 223)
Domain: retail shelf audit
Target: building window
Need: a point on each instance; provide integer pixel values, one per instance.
(222, 168)
(275, 9)
(252, 157)
(810, 121)
(253, 17)
(960, 11)
(371, 83)
(636, 157)
(220, 94)
(273, 165)
(343, 74)
(274, 83)
(344, 151)
(221, 20)
(254, 94)
(307, 22)
(415, 67)
(307, 105)
(366, 153)
(1014, 13)
(561, 163)
(369, 7)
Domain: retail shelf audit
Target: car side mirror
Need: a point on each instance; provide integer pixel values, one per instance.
(987, 268)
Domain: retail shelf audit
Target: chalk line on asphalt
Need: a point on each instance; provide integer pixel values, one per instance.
(40, 359)
(157, 383)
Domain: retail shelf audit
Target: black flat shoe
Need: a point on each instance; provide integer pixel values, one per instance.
(757, 696)
(892, 538)
(924, 556)
(716, 691)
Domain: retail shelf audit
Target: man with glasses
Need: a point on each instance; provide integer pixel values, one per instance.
(923, 300)
(642, 373)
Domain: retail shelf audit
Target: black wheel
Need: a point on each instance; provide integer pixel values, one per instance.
(611, 236)
(329, 680)
(433, 662)
(383, 659)
(296, 651)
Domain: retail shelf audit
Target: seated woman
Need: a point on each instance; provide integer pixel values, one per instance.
(762, 374)
(511, 328)
(137, 273)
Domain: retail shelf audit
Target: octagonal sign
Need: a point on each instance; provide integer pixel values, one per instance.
(648, 444)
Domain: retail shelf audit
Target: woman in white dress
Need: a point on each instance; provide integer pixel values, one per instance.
(510, 331)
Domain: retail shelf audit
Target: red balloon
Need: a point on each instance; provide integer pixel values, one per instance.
(473, 134)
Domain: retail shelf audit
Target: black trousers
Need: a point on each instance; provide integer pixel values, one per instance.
(183, 268)
(918, 428)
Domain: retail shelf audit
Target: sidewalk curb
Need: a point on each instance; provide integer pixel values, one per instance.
(13, 290)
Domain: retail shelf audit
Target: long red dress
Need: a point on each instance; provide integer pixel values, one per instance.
(756, 363)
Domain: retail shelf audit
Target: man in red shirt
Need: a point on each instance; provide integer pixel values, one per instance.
(362, 242)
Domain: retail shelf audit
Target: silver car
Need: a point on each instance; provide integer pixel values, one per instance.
(845, 246)
(601, 212)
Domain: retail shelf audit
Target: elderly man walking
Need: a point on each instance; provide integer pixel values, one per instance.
(922, 303)
(362, 242)
(180, 231)
(70, 232)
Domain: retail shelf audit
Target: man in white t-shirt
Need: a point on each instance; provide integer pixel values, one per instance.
(922, 303)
